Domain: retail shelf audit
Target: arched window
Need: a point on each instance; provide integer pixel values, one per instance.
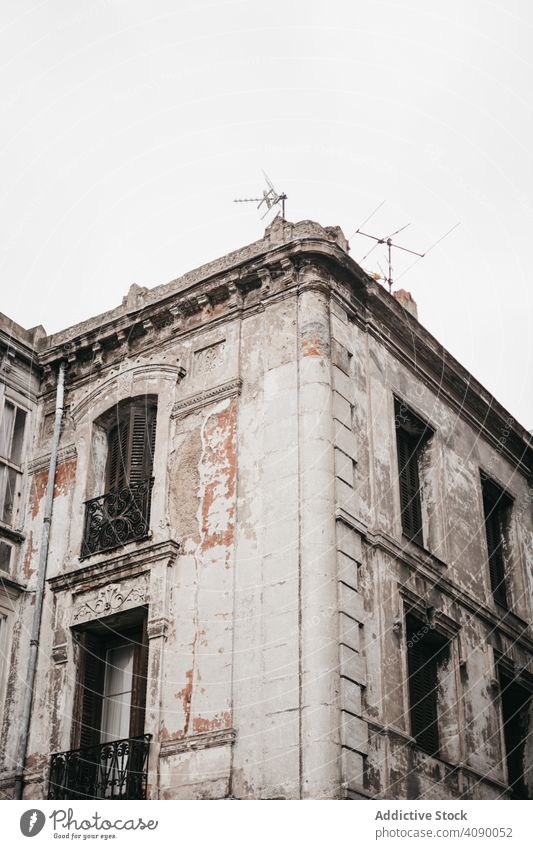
(122, 513)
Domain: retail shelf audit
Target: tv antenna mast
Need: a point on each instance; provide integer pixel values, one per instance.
(270, 199)
(387, 240)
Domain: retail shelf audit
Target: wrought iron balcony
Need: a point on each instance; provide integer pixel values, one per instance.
(117, 517)
(116, 770)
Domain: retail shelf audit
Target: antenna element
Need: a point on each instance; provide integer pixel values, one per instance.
(270, 199)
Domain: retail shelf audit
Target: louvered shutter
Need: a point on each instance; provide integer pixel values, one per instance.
(409, 485)
(423, 697)
(142, 438)
(117, 456)
(131, 445)
(140, 680)
(90, 687)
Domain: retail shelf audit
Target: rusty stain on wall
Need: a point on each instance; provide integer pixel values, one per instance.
(65, 477)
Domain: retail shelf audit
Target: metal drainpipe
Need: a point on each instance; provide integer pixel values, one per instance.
(39, 592)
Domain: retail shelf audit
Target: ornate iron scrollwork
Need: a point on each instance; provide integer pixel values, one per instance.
(115, 770)
(116, 518)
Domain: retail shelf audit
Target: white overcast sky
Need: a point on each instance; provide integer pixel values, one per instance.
(128, 127)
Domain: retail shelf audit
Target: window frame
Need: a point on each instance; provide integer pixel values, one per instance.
(94, 640)
(507, 679)
(431, 638)
(412, 437)
(497, 505)
(6, 461)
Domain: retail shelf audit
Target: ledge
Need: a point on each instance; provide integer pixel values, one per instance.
(105, 569)
(217, 393)
(222, 737)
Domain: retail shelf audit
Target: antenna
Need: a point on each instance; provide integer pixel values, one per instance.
(387, 240)
(270, 198)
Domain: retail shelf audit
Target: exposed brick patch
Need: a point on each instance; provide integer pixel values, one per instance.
(218, 478)
(65, 477)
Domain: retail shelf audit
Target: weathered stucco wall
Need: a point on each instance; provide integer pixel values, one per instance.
(275, 577)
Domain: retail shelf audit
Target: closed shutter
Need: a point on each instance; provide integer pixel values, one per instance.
(423, 655)
(409, 485)
(131, 445)
(117, 456)
(142, 424)
(140, 682)
(88, 710)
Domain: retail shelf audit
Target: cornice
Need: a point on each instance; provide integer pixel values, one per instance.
(230, 389)
(42, 463)
(108, 569)
(221, 737)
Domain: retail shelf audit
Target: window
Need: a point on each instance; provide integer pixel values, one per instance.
(123, 451)
(5, 556)
(6, 620)
(411, 436)
(111, 688)
(130, 444)
(497, 509)
(12, 425)
(515, 704)
(427, 650)
(110, 755)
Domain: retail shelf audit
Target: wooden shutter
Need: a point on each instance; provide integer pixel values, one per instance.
(117, 456)
(131, 444)
(408, 447)
(424, 652)
(88, 706)
(140, 681)
(142, 441)
(516, 707)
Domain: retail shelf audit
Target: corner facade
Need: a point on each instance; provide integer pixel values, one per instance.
(232, 606)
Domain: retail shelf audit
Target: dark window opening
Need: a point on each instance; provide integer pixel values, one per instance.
(111, 687)
(411, 437)
(110, 755)
(496, 507)
(426, 651)
(516, 705)
(5, 556)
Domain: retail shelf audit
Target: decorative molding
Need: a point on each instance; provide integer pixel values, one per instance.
(222, 737)
(108, 600)
(225, 390)
(40, 464)
(115, 568)
(206, 360)
(434, 617)
(162, 371)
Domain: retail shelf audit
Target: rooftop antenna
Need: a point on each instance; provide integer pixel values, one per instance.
(387, 240)
(270, 199)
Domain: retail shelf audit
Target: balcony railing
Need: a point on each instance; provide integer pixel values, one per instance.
(116, 518)
(116, 770)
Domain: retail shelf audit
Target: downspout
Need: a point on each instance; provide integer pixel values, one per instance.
(39, 592)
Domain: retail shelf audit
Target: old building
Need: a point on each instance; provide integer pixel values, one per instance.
(290, 546)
